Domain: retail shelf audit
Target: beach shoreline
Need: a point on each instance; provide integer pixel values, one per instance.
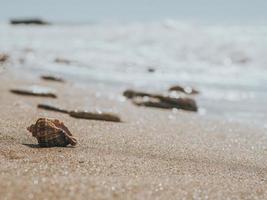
(153, 154)
(230, 73)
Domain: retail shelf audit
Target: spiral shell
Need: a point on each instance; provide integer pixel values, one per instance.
(51, 133)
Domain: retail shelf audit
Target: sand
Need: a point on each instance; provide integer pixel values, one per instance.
(153, 154)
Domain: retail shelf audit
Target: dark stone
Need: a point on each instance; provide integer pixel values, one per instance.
(186, 90)
(156, 100)
(63, 61)
(3, 57)
(28, 21)
(52, 78)
(151, 70)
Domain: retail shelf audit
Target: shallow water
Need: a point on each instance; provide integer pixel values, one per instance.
(226, 63)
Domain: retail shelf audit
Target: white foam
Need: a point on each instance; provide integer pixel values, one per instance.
(214, 58)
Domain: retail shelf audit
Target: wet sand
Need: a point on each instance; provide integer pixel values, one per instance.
(153, 154)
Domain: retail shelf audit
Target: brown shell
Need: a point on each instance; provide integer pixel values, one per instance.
(51, 132)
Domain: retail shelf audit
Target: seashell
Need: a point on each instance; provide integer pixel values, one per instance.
(51, 133)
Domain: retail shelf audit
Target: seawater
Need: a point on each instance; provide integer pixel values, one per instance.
(227, 63)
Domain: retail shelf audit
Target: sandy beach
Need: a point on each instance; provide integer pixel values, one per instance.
(153, 154)
(182, 85)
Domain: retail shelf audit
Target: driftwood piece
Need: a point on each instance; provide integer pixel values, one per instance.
(82, 114)
(35, 91)
(52, 108)
(94, 116)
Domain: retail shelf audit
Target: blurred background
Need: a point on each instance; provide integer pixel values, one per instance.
(217, 46)
(82, 11)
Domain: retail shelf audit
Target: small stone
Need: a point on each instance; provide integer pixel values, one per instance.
(52, 78)
(151, 70)
(63, 61)
(3, 57)
(186, 90)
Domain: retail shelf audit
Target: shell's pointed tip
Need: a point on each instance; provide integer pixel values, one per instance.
(29, 128)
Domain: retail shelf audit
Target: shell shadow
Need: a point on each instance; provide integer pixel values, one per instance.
(32, 145)
(39, 147)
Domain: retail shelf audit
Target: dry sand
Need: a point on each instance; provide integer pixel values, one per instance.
(154, 154)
